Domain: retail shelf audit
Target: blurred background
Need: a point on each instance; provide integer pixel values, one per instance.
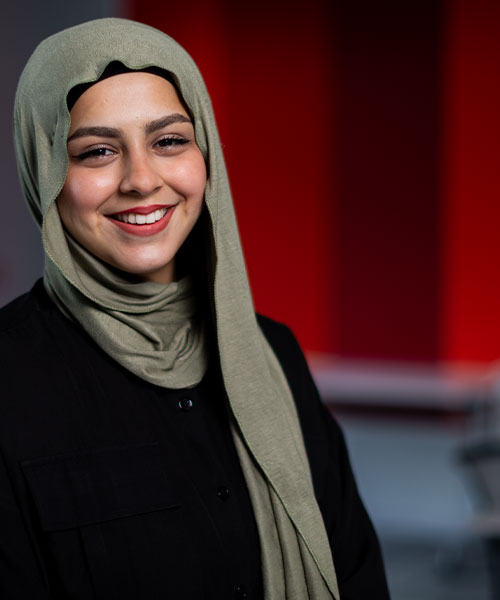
(362, 141)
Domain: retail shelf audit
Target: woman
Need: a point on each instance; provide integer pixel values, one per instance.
(158, 440)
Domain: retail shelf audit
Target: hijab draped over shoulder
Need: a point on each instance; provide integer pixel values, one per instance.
(153, 329)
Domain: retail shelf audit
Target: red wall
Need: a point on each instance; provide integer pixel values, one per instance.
(387, 221)
(470, 304)
(362, 145)
(268, 67)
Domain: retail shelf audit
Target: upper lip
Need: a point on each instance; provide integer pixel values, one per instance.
(142, 210)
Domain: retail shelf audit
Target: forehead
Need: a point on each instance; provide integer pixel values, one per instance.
(127, 96)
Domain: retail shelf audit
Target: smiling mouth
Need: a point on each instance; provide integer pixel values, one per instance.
(134, 218)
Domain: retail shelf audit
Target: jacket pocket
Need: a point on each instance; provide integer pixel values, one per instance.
(98, 495)
(88, 486)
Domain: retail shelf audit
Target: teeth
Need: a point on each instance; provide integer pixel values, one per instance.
(136, 219)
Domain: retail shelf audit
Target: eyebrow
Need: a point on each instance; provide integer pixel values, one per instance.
(112, 132)
(166, 121)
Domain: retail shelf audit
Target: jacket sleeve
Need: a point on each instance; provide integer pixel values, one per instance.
(21, 574)
(355, 548)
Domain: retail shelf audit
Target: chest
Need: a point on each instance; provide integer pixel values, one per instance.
(128, 490)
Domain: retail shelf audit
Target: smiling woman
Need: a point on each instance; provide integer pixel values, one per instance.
(158, 439)
(134, 168)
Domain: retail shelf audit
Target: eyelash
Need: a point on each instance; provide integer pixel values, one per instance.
(173, 141)
(93, 153)
(102, 151)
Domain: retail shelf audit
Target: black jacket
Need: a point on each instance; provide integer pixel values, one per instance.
(106, 481)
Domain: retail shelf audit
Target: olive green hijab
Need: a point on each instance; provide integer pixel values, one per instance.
(296, 557)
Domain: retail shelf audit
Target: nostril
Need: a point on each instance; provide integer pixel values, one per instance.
(140, 178)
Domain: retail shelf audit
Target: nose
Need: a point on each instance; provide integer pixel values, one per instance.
(140, 176)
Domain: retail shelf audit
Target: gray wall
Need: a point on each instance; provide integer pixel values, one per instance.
(23, 24)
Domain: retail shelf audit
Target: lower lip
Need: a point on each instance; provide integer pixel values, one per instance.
(146, 229)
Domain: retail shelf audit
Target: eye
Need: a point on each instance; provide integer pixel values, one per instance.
(99, 152)
(171, 142)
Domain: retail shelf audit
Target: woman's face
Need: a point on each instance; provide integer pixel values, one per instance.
(136, 177)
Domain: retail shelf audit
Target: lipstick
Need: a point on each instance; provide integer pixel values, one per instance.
(142, 210)
(145, 229)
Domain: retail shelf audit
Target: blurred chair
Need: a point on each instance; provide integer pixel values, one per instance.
(481, 463)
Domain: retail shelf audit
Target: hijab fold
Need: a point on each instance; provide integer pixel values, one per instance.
(150, 328)
(153, 330)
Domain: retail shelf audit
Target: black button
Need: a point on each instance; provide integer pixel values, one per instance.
(241, 592)
(224, 493)
(185, 404)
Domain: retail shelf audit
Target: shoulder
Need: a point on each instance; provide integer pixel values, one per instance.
(28, 322)
(275, 332)
(292, 361)
(319, 429)
(296, 370)
(17, 320)
(22, 313)
(286, 348)
(13, 312)
(34, 338)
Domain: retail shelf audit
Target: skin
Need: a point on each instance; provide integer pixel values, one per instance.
(123, 154)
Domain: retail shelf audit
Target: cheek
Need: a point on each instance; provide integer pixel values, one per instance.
(191, 177)
(85, 190)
